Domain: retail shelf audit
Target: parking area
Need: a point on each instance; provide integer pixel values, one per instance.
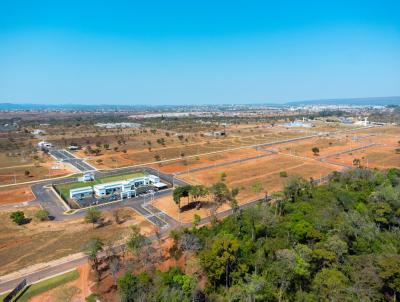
(67, 157)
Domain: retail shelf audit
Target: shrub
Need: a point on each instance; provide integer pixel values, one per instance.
(18, 217)
(42, 215)
(283, 174)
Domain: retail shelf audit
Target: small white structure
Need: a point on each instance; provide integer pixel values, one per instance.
(38, 132)
(87, 177)
(159, 185)
(44, 145)
(362, 122)
(79, 193)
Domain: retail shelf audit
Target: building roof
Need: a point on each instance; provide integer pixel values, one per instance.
(159, 185)
(82, 189)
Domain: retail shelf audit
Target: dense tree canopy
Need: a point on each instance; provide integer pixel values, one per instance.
(339, 241)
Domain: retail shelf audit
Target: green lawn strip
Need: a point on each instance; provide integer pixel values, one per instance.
(65, 188)
(46, 285)
(120, 177)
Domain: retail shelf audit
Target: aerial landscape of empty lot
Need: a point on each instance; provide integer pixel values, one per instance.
(119, 177)
(199, 151)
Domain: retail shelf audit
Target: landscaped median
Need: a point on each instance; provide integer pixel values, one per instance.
(44, 286)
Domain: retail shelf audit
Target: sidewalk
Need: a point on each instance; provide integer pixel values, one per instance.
(41, 271)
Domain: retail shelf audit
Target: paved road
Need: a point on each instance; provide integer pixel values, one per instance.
(57, 268)
(67, 157)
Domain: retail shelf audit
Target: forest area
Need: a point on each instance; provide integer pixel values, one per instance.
(338, 241)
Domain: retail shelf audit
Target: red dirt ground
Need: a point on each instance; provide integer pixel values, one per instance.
(16, 195)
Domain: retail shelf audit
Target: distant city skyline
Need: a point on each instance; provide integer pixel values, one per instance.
(178, 52)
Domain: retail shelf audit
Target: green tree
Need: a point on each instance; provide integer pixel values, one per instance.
(92, 249)
(389, 271)
(198, 191)
(127, 287)
(220, 192)
(331, 285)
(220, 259)
(18, 217)
(196, 220)
(179, 192)
(315, 150)
(92, 215)
(135, 240)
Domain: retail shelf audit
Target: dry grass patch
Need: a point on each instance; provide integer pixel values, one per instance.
(380, 157)
(22, 246)
(168, 206)
(255, 177)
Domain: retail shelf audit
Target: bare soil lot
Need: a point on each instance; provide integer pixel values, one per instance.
(10, 195)
(326, 146)
(147, 147)
(20, 174)
(252, 177)
(381, 157)
(207, 160)
(29, 244)
(255, 177)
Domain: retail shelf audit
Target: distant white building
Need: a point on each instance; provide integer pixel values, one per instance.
(38, 132)
(298, 123)
(118, 125)
(44, 145)
(362, 122)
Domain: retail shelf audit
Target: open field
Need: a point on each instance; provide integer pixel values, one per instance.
(22, 246)
(207, 160)
(147, 145)
(20, 174)
(327, 145)
(252, 177)
(255, 177)
(65, 188)
(381, 157)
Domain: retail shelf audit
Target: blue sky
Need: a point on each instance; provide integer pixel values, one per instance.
(197, 52)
